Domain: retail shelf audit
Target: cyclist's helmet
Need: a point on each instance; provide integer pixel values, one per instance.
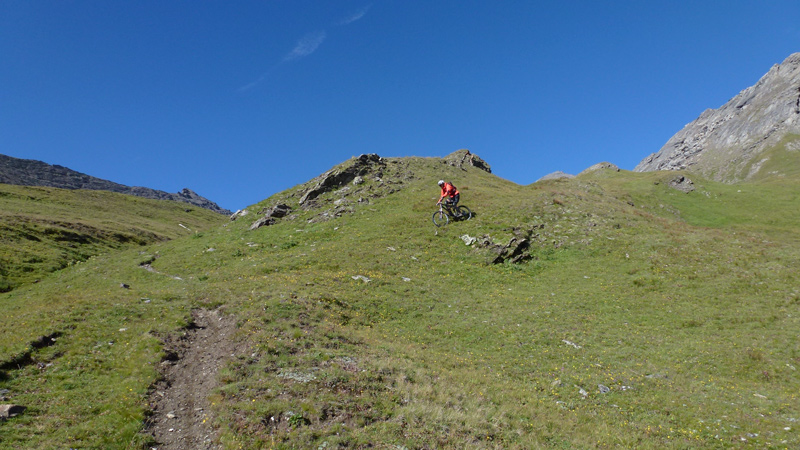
(441, 182)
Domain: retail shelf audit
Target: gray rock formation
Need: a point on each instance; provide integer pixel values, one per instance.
(734, 142)
(28, 172)
(271, 215)
(338, 177)
(682, 184)
(600, 166)
(464, 157)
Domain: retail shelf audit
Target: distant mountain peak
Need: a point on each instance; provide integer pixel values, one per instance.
(735, 142)
(29, 172)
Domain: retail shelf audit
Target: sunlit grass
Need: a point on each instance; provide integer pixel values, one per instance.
(639, 322)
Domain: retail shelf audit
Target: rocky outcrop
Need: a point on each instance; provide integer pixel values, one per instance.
(516, 251)
(729, 143)
(556, 176)
(682, 184)
(340, 176)
(271, 215)
(28, 172)
(600, 166)
(464, 157)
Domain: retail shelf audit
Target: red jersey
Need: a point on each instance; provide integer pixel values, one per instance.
(448, 190)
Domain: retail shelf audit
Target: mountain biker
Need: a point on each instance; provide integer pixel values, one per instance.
(448, 190)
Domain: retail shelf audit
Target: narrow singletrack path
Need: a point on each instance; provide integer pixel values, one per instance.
(182, 416)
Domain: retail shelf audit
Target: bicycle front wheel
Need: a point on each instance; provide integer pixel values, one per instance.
(464, 213)
(440, 218)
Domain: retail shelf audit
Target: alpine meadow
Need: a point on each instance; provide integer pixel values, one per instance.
(613, 309)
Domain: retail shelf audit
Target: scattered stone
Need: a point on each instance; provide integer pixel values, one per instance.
(9, 411)
(571, 344)
(300, 377)
(406, 279)
(361, 277)
(582, 391)
(603, 389)
(468, 240)
(657, 376)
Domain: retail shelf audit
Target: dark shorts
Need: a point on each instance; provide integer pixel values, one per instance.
(453, 201)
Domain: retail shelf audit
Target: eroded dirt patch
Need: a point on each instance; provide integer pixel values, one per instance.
(182, 417)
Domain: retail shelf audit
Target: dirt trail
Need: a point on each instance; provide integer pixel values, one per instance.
(181, 410)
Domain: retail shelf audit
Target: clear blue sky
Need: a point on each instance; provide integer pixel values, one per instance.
(239, 100)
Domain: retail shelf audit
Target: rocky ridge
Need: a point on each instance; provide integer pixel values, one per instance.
(355, 182)
(730, 143)
(28, 172)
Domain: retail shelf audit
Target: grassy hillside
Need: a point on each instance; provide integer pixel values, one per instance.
(46, 229)
(644, 317)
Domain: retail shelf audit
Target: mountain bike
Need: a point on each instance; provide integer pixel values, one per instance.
(447, 212)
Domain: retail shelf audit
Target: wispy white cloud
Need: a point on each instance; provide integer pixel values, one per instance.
(355, 16)
(307, 45)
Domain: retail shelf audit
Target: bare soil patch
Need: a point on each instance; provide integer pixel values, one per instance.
(182, 416)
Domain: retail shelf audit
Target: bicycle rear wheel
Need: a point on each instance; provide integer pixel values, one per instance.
(440, 218)
(464, 213)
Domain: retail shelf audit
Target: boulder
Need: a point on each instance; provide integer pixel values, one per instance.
(517, 250)
(271, 214)
(239, 213)
(8, 411)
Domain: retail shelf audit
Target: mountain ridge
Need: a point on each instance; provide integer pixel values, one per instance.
(737, 141)
(29, 172)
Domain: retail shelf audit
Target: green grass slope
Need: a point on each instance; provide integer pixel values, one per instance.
(644, 317)
(46, 229)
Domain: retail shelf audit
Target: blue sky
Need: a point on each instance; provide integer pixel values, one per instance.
(240, 100)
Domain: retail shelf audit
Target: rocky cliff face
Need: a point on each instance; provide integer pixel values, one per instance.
(27, 172)
(733, 143)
